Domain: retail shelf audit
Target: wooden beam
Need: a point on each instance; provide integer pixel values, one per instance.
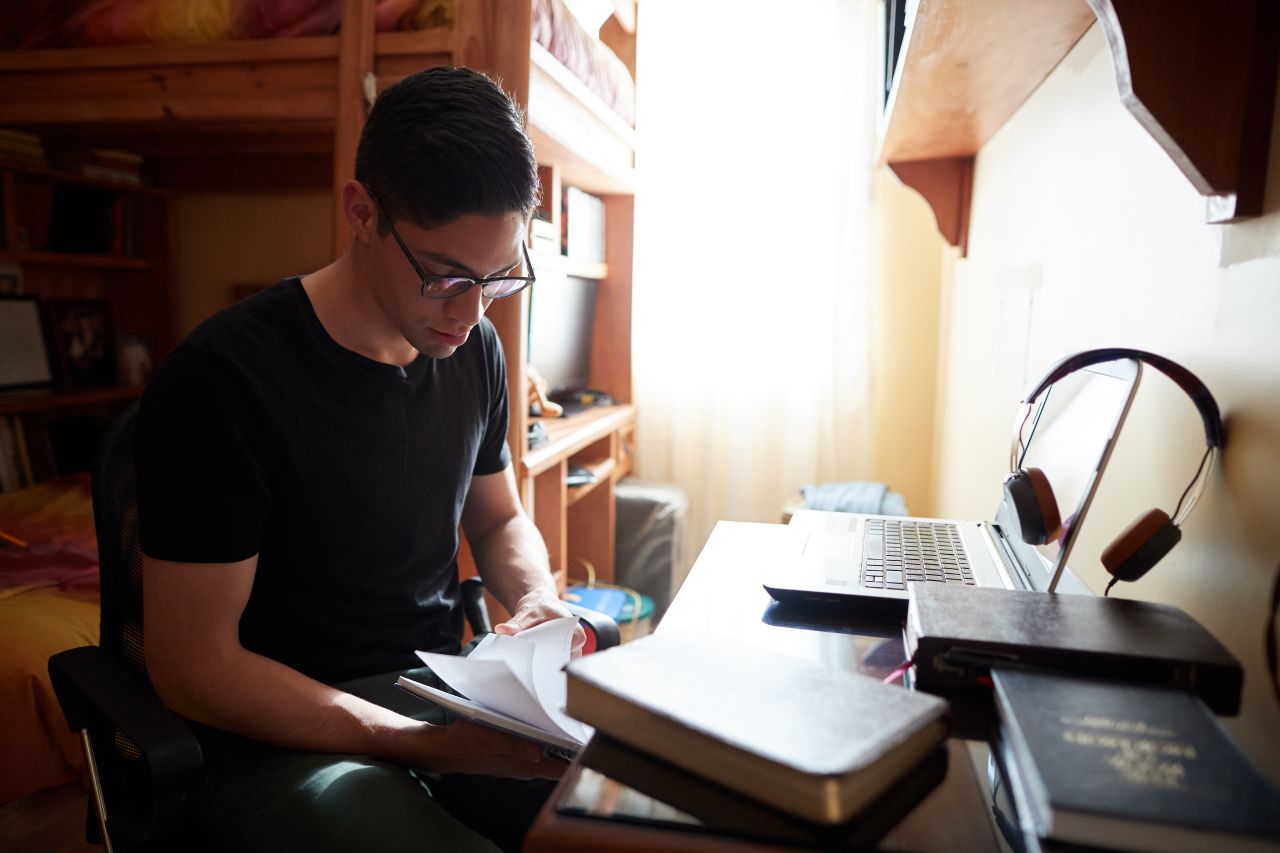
(355, 61)
(947, 185)
(1201, 79)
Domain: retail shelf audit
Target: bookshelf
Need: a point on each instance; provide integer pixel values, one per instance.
(580, 143)
(94, 253)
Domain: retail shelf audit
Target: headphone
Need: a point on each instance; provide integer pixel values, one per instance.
(1144, 542)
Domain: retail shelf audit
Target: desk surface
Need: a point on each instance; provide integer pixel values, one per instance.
(723, 595)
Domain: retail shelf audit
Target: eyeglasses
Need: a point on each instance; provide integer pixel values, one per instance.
(449, 286)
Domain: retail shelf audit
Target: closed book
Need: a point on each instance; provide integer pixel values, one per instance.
(956, 634)
(1130, 767)
(722, 811)
(812, 741)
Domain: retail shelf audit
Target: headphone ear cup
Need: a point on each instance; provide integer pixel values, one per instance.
(1141, 545)
(1029, 493)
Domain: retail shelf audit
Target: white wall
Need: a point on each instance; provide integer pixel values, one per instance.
(1085, 234)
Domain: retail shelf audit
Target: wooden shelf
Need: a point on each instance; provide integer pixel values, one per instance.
(15, 402)
(1200, 77)
(570, 125)
(965, 67)
(69, 259)
(603, 470)
(597, 270)
(56, 176)
(566, 436)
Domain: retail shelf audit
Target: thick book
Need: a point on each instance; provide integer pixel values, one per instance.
(634, 787)
(956, 634)
(813, 741)
(1130, 767)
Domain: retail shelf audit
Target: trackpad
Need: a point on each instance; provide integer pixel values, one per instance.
(830, 544)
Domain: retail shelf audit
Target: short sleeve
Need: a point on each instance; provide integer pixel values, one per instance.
(494, 455)
(202, 459)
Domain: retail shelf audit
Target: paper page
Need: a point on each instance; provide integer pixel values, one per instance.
(521, 676)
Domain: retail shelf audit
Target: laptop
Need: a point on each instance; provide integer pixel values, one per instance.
(867, 561)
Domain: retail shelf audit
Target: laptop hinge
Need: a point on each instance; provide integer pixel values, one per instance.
(1002, 555)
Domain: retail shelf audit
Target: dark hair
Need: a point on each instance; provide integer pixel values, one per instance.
(445, 142)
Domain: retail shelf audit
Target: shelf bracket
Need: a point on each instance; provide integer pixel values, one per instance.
(1201, 79)
(947, 185)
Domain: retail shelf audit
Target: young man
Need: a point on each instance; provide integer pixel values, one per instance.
(305, 458)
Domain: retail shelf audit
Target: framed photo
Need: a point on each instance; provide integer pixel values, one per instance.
(84, 343)
(24, 352)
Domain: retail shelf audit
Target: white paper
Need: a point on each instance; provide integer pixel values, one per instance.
(521, 676)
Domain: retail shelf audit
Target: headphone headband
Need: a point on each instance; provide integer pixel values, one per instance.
(1185, 379)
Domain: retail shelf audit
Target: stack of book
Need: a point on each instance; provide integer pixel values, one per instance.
(740, 737)
(21, 149)
(110, 165)
(1127, 767)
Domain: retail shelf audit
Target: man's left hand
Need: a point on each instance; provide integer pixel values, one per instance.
(535, 608)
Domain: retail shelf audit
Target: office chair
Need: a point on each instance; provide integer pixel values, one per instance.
(144, 761)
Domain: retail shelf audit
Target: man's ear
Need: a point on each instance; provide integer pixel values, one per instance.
(361, 212)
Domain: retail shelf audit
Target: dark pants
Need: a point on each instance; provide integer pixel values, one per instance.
(261, 797)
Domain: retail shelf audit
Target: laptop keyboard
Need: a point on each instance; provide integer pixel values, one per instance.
(898, 552)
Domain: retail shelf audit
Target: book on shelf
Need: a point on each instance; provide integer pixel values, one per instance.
(815, 742)
(21, 149)
(513, 683)
(1128, 766)
(956, 634)
(625, 784)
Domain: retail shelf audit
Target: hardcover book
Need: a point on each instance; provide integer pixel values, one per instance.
(635, 787)
(1132, 767)
(812, 741)
(956, 634)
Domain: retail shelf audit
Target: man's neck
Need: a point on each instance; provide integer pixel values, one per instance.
(346, 308)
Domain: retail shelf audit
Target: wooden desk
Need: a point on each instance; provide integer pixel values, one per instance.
(723, 596)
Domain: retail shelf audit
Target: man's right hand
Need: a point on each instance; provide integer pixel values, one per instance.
(466, 747)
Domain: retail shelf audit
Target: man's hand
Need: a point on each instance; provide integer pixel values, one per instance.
(535, 608)
(465, 747)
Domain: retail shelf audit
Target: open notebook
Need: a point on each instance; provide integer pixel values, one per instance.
(516, 684)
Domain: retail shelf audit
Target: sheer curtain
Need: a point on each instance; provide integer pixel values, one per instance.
(751, 302)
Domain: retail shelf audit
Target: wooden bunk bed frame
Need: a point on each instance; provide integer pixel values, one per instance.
(287, 114)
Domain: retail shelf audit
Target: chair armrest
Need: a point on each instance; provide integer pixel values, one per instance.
(93, 687)
(600, 624)
(473, 606)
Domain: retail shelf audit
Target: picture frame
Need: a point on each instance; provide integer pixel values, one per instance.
(24, 350)
(83, 341)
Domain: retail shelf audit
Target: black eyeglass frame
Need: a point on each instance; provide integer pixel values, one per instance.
(427, 278)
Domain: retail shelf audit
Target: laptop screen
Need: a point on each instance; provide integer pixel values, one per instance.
(1069, 435)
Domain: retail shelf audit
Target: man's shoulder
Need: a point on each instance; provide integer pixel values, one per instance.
(264, 318)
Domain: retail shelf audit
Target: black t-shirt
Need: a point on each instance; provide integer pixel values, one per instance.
(260, 434)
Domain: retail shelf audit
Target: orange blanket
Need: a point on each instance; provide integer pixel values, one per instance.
(48, 603)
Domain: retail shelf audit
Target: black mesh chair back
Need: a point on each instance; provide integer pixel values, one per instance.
(145, 760)
(115, 515)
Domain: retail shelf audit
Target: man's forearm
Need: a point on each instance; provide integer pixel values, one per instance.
(512, 561)
(260, 698)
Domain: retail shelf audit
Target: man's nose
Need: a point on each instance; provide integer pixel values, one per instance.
(468, 307)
